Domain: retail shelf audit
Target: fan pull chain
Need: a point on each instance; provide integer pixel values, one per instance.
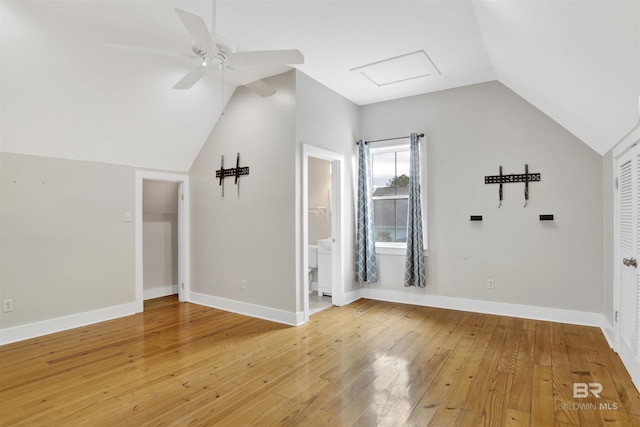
(213, 17)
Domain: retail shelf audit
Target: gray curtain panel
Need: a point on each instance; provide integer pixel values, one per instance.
(414, 272)
(366, 263)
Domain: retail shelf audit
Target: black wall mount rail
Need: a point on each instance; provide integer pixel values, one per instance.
(236, 172)
(525, 178)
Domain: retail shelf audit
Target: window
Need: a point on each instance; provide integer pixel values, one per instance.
(390, 178)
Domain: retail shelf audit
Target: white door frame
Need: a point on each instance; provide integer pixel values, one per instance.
(337, 229)
(183, 233)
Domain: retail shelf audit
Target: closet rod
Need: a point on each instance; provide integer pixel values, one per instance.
(393, 139)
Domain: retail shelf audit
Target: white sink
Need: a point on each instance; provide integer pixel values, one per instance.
(325, 244)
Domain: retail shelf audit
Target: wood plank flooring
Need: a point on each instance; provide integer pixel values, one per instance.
(369, 363)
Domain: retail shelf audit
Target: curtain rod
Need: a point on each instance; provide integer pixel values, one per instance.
(393, 139)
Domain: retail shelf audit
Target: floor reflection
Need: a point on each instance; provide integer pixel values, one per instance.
(318, 303)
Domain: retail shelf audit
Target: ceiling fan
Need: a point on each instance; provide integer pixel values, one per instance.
(215, 52)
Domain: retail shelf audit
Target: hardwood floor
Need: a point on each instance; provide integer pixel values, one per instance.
(366, 364)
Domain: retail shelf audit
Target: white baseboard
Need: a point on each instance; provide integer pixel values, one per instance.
(45, 327)
(560, 315)
(267, 313)
(352, 296)
(607, 331)
(160, 292)
(59, 324)
(299, 318)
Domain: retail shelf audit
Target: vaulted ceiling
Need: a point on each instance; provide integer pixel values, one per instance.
(64, 94)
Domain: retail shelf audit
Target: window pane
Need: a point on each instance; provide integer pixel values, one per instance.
(383, 169)
(390, 177)
(402, 163)
(391, 220)
(385, 220)
(390, 173)
(402, 173)
(402, 207)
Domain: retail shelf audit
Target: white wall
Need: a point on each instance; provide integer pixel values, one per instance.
(107, 105)
(248, 237)
(471, 131)
(65, 247)
(326, 119)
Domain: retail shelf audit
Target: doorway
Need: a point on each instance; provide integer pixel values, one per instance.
(181, 232)
(159, 238)
(322, 190)
(319, 213)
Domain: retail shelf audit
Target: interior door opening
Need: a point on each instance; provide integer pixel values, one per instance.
(164, 235)
(319, 233)
(160, 225)
(322, 229)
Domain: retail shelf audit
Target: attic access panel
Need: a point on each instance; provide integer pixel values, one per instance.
(410, 66)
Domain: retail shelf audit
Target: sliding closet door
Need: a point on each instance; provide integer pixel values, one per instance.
(628, 286)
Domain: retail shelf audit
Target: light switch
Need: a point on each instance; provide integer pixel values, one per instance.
(127, 217)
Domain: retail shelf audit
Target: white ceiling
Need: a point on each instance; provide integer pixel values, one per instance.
(64, 94)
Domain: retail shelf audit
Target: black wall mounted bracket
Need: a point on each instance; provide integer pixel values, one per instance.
(525, 178)
(236, 172)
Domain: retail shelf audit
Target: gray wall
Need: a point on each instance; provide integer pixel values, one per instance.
(252, 236)
(328, 120)
(256, 237)
(471, 131)
(66, 248)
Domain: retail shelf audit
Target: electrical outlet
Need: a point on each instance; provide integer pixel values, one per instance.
(243, 284)
(491, 284)
(7, 305)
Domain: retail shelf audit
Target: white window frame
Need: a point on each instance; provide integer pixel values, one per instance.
(399, 248)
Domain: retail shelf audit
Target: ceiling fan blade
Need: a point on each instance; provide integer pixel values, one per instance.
(191, 78)
(198, 30)
(271, 57)
(149, 50)
(253, 83)
(261, 88)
